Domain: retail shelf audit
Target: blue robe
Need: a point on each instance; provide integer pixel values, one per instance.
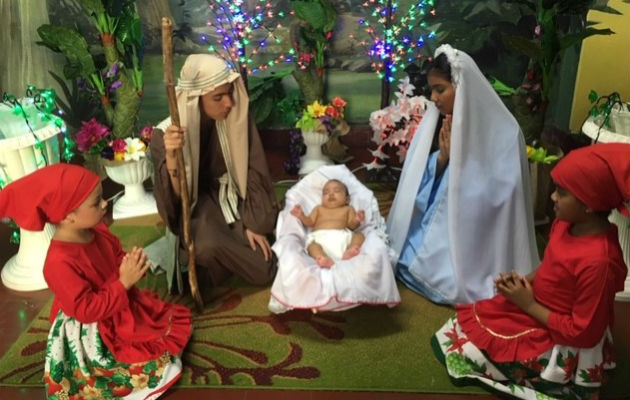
(425, 262)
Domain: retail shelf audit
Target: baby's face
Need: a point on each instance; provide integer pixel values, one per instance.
(334, 195)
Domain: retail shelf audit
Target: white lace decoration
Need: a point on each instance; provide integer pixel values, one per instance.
(228, 198)
(452, 55)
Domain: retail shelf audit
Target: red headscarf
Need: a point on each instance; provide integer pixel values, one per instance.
(598, 175)
(46, 195)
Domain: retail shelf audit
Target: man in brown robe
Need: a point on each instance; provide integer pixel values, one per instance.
(233, 204)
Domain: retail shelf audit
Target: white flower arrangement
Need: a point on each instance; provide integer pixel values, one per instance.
(395, 125)
(135, 149)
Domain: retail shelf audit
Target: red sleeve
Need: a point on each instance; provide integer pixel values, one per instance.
(591, 312)
(79, 299)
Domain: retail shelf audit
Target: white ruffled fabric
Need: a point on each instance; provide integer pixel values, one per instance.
(300, 283)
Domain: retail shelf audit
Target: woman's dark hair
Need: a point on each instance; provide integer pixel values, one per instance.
(441, 66)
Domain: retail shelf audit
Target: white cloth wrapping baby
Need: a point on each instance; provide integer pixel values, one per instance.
(334, 242)
(300, 283)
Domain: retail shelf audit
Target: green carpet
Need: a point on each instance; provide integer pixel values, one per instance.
(237, 343)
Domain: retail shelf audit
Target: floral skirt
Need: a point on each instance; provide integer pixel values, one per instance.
(562, 372)
(80, 366)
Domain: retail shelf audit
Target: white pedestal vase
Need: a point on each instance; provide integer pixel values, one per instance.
(24, 150)
(135, 201)
(314, 158)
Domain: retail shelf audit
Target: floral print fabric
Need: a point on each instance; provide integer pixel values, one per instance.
(80, 366)
(563, 372)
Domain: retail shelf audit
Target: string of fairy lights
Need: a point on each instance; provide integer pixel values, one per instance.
(242, 35)
(396, 39)
(43, 100)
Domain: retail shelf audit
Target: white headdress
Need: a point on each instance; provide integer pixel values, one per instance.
(490, 219)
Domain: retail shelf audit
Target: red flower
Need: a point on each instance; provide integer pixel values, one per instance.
(595, 374)
(570, 363)
(339, 102)
(457, 342)
(332, 112)
(119, 145)
(121, 391)
(532, 363)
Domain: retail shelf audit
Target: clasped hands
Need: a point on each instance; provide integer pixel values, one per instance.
(133, 267)
(517, 289)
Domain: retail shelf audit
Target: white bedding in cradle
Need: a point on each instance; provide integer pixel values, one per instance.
(300, 283)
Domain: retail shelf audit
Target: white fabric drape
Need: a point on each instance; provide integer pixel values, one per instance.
(300, 283)
(490, 218)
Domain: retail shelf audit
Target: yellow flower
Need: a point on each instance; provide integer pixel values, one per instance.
(316, 110)
(119, 156)
(530, 151)
(140, 381)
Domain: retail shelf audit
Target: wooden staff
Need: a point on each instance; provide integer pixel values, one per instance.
(167, 52)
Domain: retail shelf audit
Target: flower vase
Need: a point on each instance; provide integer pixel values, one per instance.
(131, 174)
(314, 158)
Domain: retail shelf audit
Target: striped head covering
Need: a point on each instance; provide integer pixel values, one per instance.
(201, 74)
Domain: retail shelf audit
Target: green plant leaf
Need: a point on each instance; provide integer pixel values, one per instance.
(93, 6)
(72, 45)
(573, 38)
(524, 46)
(593, 96)
(263, 109)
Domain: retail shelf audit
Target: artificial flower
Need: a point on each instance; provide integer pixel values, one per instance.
(326, 119)
(136, 149)
(395, 125)
(91, 133)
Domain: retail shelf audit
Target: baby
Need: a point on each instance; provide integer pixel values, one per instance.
(332, 222)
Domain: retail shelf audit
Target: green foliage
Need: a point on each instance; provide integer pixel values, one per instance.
(319, 14)
(73, 46)
(603, 109)
(79, 105)
(118, 77)
(540, 155)
(264, 95)
(546, 49)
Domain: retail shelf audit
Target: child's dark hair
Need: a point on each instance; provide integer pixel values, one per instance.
(339, 182)
(441, 66)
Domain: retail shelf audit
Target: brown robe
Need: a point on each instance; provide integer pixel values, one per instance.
(221, 248)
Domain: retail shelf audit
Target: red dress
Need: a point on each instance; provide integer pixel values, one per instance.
(134, 324)
(577, 281)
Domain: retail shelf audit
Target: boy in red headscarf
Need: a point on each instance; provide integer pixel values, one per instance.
(549, 332)
(108, 339)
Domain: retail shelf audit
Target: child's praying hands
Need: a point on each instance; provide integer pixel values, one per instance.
(133, 267)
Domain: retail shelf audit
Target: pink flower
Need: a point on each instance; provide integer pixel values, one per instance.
(91, 132)
(146, 134)
(119, 145)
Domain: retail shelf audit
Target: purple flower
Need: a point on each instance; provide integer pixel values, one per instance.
(91, 132)
(111, 72)
(115, 85)
(146, 134)
(107, 153)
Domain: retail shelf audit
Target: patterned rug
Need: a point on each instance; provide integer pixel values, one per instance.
(237, 343)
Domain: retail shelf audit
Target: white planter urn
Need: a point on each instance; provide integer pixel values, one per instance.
(314, 158)
(131, 174)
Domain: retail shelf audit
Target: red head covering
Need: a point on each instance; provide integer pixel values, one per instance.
(598, 175)
(46, 195)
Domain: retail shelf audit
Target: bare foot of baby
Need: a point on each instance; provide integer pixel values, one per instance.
(351, 252)
(324, 262)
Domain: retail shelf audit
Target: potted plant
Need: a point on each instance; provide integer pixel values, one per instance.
(113, 72)
(319, 123)
(116, 78)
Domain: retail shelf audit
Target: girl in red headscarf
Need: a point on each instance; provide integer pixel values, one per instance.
(548, 333)
(108, 339)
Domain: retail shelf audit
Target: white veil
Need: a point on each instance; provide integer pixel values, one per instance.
(490, 218)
